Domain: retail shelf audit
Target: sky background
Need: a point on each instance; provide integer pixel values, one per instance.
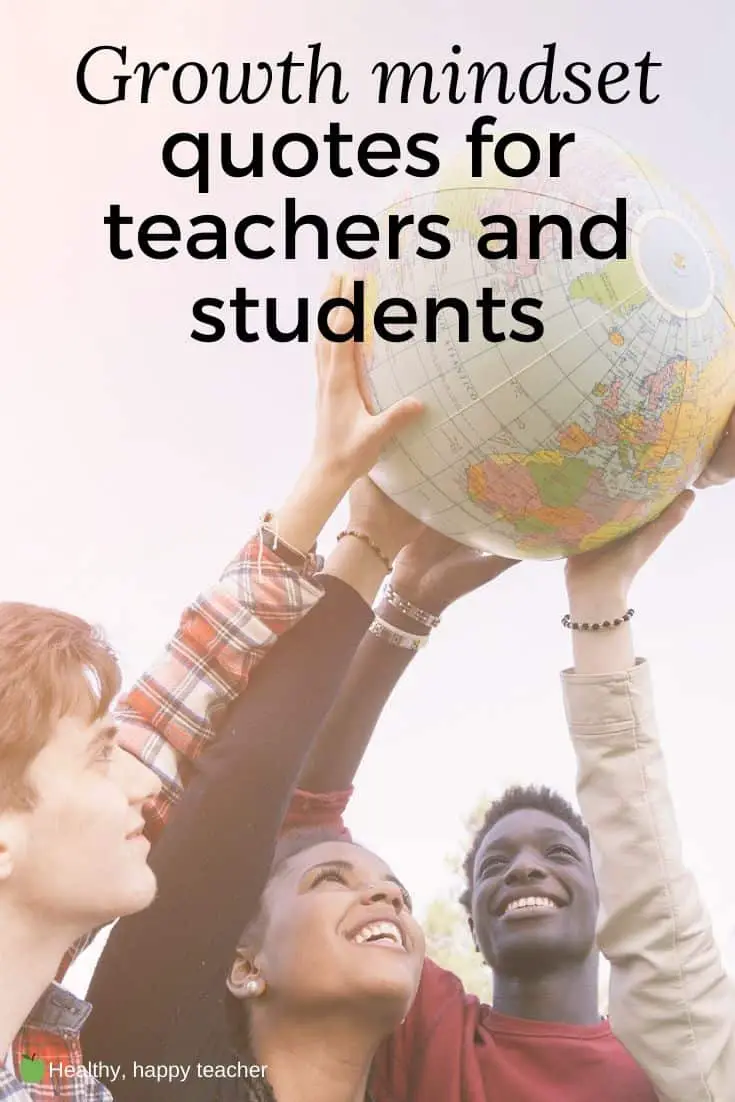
(135, 462)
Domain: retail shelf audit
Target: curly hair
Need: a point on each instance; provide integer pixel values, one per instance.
(518, 798)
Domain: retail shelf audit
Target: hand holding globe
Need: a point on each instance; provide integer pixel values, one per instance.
(721, 467)
(434, 571)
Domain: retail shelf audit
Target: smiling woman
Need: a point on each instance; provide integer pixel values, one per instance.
(330, 957)
(326, 909)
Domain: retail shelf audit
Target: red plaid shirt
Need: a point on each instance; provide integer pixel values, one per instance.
(166, 720)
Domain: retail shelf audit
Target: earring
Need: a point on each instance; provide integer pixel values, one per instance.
(252, 987)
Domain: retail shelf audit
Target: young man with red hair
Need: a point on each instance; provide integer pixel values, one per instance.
(72, 848)
(77, 812)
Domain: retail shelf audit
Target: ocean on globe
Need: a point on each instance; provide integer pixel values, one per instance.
(550, 448)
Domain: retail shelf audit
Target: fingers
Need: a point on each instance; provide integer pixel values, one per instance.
(332, 290)
(721, 468)
(396, 418)
(484, 568)
(343, 393)
(434, 545)
(338, 319)
(337, 360)
(677, 510)
(333, 287)
(362, 379)
(653, 534)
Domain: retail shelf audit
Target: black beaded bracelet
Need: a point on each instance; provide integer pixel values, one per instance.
(604, 625)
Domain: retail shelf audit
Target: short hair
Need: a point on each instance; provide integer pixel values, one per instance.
(519, 798)
(49, 661)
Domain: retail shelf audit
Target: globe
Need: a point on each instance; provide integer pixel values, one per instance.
(547, 448)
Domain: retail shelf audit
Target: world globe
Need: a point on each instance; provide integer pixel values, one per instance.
(549, 448)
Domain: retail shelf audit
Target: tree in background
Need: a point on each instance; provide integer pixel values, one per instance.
(448, 938)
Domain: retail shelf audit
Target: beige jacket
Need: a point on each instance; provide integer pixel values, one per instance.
(671, 1002)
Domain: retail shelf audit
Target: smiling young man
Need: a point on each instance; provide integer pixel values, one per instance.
(531, 896)
(77, 813)
(532, 905)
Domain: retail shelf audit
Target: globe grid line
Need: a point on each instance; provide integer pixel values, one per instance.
(513, 441)
(550, 353)
(621, 399)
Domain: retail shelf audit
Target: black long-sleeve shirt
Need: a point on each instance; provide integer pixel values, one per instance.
(159, 990)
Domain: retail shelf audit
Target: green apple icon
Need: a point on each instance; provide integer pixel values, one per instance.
(32, 1068)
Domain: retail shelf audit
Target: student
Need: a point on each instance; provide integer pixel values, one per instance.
(329, 955)
(671, 1001)
(543, 1038)
(57, 680)
(72, 851)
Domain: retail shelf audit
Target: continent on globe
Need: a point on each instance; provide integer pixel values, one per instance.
(552, 448)
(574, 439)
(552, 491)
(616, 287)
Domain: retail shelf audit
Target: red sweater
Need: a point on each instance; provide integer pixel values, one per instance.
(453, 1048)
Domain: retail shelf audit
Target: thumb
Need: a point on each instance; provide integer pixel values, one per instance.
(653, 534)
(397, 417)
(484, 568)
(721, 467)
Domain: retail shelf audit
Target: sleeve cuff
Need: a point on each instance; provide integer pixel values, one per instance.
(317, 809)
(598, 703)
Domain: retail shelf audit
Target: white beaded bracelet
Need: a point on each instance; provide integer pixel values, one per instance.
(396, 637)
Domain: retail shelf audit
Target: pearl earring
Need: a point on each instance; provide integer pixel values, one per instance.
(251, 988)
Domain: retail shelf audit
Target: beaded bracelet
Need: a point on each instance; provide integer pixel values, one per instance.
(413, 612)
(604, 625)
(396, 637)
(358, 535)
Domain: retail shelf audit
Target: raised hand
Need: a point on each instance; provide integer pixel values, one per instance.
(387, 524)
(349, 438)
(434, 571)
(598, 581)
(376, 531)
